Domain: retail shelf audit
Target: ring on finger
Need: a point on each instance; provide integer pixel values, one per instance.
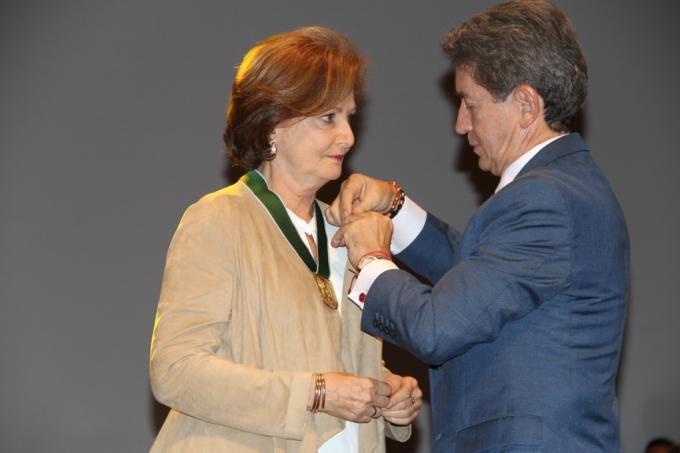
(413, 401)
(375, 412)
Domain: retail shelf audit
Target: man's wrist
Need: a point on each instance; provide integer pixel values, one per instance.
(396, 200)
(372, 256)
(360, 286)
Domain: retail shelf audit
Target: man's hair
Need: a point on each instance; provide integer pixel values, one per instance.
(659, 442)
(527, 42)
(290, 75)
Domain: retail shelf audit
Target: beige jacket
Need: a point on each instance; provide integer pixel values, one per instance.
(240, 328)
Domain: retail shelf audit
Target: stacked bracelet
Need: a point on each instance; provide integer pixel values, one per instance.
(319, 393)
(397, 200)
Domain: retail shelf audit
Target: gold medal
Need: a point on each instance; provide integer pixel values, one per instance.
(326, 290)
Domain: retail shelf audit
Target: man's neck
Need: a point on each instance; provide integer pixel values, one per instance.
(537, 137)
(528, 138)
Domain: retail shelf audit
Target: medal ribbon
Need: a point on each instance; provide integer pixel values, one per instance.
(256, 183)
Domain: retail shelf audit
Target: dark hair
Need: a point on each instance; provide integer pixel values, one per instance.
(290, 75)
(527, 42)
(659, 442)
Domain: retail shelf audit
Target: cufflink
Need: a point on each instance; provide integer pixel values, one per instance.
(362, 297)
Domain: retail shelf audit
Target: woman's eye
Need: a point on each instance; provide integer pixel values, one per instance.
(328, 117)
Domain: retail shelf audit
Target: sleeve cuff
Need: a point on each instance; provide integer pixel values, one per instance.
(366, 278)
(408, 224)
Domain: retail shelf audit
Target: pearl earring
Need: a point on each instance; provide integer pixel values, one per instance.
(272, 148)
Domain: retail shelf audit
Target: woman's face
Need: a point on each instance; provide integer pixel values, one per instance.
(311, 149)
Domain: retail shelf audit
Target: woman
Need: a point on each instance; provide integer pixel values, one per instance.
(255, 348)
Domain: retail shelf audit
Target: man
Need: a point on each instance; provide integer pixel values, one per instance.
(524, 319)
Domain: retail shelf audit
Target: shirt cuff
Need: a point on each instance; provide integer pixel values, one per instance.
(408, 224)
(366, 278)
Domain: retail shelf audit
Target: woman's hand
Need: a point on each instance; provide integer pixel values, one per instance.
(355, 398)
(405, 402)
(359, 193)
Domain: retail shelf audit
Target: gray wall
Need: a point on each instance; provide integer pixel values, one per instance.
(110, 122)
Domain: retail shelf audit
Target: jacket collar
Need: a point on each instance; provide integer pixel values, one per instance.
(563, 146)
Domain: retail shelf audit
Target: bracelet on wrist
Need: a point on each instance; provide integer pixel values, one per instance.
(319, 393)
(397, 200)
(372, 256)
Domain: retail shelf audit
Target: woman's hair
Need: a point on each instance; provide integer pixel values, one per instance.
(524, 42)
(296, 74)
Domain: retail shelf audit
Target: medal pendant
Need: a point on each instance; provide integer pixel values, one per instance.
(326, 290)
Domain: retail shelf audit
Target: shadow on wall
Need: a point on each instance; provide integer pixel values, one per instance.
(157, 413)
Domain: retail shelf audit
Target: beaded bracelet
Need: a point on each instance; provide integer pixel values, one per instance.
(397, 200)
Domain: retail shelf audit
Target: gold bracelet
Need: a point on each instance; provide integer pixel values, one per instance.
(319, 393)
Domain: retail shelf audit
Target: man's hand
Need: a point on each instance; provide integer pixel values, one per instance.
(359, 193)
(405, 402)
(364, 233)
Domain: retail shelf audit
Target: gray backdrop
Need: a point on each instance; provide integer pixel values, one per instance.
(111, 116)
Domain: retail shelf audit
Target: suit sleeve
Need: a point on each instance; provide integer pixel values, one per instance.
(187, 372)
(520, 259)
(433, 252)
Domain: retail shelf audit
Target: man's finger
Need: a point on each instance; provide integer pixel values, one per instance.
(338, 239)
(333, 213)
(351, 193)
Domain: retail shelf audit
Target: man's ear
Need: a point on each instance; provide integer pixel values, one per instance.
(530, 104)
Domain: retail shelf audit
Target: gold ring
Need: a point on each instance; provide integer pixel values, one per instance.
(413, 401)
(375, 412)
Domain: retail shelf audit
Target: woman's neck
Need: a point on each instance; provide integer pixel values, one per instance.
(294, 195)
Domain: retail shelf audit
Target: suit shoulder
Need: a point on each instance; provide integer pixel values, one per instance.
(538, 186)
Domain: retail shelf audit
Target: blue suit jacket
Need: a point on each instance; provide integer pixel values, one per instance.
(524, 323)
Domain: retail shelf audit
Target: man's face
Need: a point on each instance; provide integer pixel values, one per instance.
(492, 128)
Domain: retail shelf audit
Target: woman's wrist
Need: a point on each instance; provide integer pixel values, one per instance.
(319, 393)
